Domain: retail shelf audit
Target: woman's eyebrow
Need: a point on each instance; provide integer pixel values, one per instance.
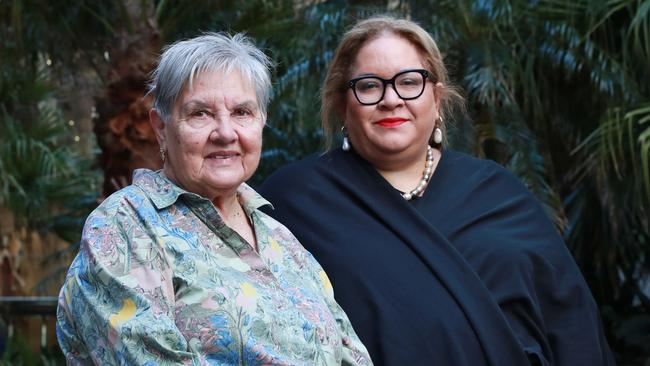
(192, 105)
(250, 104)
(365, 75)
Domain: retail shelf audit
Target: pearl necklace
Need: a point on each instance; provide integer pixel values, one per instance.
(426, 175)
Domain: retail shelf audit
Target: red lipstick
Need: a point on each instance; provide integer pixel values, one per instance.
(391, 121)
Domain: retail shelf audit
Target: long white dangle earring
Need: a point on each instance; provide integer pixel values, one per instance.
(437, 132)
(345, 146)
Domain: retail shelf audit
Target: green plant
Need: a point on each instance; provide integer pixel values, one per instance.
(18, 353)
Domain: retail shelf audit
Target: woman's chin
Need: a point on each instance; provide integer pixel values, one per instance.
(394, 146)
(392, 141)
(225, 182)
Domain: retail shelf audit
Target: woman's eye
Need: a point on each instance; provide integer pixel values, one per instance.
(200, 114)
(368, 85)
(242, 112)
(409, 82)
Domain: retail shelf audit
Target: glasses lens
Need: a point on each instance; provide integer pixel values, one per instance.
(368, 90)
(409, 85)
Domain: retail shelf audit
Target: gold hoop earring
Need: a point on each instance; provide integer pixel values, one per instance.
(163, 154)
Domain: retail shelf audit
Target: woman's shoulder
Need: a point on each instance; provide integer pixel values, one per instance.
(481, 196)
(296, 177)
(471, 171)
(303, 167)
(148, 192)
(120, 229)
(490, 168)
(118, 218)
(483, 186)
(128, 198)
(464, 162)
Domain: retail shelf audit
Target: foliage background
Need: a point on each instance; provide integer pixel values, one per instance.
(558, 91)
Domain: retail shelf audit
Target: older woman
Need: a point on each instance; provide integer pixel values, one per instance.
(181, 267)
(438, 258)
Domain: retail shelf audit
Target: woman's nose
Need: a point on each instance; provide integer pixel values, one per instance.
(224, 130)
(391, 99)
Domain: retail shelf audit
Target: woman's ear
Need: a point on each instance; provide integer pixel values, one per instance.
(158, 126)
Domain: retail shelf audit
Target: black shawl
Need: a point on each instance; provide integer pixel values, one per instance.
(471, 273)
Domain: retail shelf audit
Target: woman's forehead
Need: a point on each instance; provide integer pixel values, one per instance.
(211, 85)
(387, 54)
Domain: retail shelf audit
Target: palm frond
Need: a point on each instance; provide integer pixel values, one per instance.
(639, 32)
(622, 141)
(39, 171)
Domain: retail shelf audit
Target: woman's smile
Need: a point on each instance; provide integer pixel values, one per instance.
(391, 121)
(223, 158)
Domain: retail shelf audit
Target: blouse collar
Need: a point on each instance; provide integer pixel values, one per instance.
(164, 193)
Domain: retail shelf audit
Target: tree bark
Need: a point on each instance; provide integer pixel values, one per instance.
(124, 135)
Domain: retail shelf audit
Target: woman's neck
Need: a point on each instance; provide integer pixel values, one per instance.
(234, 215)
(227, 205)
(230, 209)
(406, 175)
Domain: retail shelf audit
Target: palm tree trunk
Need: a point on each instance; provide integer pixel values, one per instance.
(121, 124)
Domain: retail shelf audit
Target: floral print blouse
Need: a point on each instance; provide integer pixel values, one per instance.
(161, 279)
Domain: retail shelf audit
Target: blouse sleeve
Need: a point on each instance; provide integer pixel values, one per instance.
(354, 352)
(117, 304)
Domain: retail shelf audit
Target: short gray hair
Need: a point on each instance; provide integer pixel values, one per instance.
(182, 61)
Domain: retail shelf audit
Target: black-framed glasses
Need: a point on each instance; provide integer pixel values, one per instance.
(408, 84)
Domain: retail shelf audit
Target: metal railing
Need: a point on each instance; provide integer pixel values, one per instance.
(13, 306)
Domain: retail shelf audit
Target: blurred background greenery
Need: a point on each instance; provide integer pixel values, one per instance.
(558, 92)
